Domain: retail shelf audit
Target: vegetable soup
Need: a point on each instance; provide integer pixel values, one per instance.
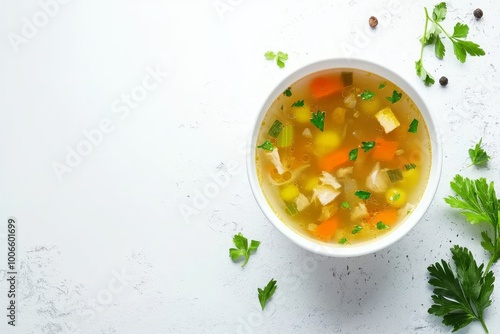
(343, 156)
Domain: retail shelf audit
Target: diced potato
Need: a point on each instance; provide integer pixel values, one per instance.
(396, 197)
(289, 192)
(345, 172)
(338, 115)
(307, 133)
(302, 202)
(311, 183)
(359, 212)
(387, 119)
(350, 101)
(326, 142)
(302, 114)
(369, 107)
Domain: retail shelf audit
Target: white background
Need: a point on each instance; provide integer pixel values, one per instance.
(117, 214)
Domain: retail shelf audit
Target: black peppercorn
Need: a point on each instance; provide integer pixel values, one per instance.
(478, 13)
(443, 81)
(373, 21)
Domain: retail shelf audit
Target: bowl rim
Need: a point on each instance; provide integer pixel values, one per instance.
(387, 239)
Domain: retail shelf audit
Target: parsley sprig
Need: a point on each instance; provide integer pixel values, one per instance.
(478, 155)
(280, 57)
(267, 293)
(243, 249)
(461, 47)
(318, 120)
(461, 298)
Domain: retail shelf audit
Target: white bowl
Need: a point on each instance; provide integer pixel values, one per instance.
(329, 249)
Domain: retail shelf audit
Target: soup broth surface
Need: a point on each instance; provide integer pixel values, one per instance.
(343, 156)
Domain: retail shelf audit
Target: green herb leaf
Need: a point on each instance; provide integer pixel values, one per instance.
(288, 92)
(242, 248)
(299, 103)
(367, 95)
(353, 154)
(413, 126)
(343, 241)
(460, 297)
(381, 226)
(423, 74)
(439, 12)
(439, 48)
(410, 166)
(270, 55)
(318, 120)
(478, 156)
(395, 97)
(367, 145)
(396, 197)
(345, 205)
(267, 145)
(275, 129)
(281, 58)
(478, 203)
(363, 194)
(460, 30)
(461, 48)
(356, 229)
(381, 86)
(267, 293)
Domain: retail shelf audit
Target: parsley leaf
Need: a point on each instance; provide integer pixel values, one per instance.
(353, 154)
(356, 229)
(345, 205)
(460, 297)
(367, 145)
(242, 248)
(413, 126)
(267, 145)
(318, 119)
(395, 97)
(439, 48)
(423, 74)
(343, 241)
(281, 58)
(439, 12)
(381, 226)
(288, 92)
(460, 30)
(270, 55)
(367, 95)
(381, 86)
(299, 103)
(478, 203)
(478, 156)
(363, 194)
(267, 293)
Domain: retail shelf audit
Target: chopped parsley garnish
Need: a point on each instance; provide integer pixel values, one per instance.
(367, 95)
(275, 129)
(395, 97)
(381, 86)
(432, 36)
(345, 205)
(396, 197)
(242, 248)
(356, 229)
(353, 154)
(381, 226)
(367, 145)
(318, 120)
(478, 156)
(413, 126)
(363, 194)
(299, 103)
(280, 57)
(288, 92)
(343, 241)
(267, 145)
(410, 166)
(267, 293)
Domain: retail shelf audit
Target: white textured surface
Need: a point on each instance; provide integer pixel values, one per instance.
(118, 211)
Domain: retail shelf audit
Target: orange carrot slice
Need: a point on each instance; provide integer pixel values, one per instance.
(384, 150)
(324, 86)
(388, 217)
(327, 229)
